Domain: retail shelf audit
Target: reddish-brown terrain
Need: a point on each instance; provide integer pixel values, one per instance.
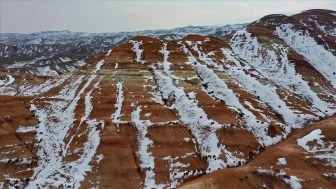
(250, 110)
(266, 171)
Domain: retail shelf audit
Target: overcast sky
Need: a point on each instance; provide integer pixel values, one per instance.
(26, 16)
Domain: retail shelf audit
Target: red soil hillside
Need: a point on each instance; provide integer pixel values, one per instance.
(296, 162)
(198, 112)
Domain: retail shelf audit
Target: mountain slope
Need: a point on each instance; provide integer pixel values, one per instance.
(154, 113)
(304, 160)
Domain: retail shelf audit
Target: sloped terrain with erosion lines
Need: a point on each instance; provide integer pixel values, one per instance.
(254, 109)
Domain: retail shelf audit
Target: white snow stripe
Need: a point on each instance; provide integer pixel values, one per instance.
(117, 114)
(266, 94)
(88, 103)
(137, 50)
(146, 157)
(220, 91)
(108, 52)
(165, 63)
(26, 129)
(195, 119)
(55, 121)
(30, 90)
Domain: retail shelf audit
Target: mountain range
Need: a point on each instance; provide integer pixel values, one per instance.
(52, 53)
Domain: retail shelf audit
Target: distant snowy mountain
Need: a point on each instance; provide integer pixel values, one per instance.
(48, 46)
(66, 35)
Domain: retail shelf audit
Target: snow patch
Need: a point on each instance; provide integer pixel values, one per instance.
(166, 65)
(320, 150)
(294, 182)
(282, 161)
(25, 129)
(314, 135)
(6, 86)
(117, 114)
(7, 81)
(137, 50)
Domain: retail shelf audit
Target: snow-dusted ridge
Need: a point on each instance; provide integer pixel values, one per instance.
(52, 170)
(220, 91)
(282, 72)
(30, 90)
(322, 59)
(195, 119)
(266, 94)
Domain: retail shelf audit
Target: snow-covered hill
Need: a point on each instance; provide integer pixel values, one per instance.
(154, 113)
